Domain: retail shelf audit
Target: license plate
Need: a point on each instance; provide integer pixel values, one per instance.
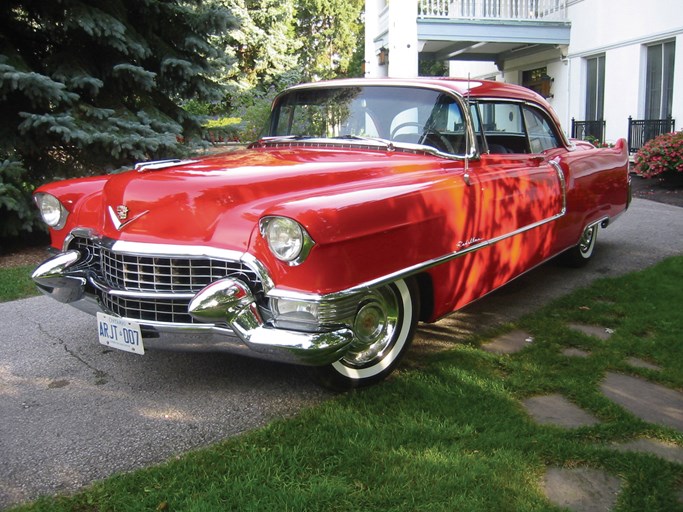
(119, 333)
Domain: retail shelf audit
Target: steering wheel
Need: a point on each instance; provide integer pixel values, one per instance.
(445, 143)
(405, 125)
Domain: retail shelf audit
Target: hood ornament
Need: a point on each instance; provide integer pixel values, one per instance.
(119, 217)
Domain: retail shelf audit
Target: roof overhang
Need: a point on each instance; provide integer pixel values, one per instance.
(489, 40)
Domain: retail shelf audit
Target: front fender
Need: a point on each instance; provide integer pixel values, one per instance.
(364, 235)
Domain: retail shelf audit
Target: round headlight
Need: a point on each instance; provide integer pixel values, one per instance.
(285, 237)
(51, 210)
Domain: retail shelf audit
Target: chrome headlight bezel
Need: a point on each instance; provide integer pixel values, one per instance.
(52, 211)
(286, 238)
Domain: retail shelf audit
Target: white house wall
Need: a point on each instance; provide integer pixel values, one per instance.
(620, 30)
(678, 83)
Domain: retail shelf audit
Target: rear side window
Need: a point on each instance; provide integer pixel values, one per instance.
(510, 127)
(541, 134)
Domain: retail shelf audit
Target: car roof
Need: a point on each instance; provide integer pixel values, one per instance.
(462, 86)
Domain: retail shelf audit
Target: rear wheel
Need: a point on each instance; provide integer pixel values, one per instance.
(581, 253)
(384, 327)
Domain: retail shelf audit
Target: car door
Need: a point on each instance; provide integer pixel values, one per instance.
(520, 186)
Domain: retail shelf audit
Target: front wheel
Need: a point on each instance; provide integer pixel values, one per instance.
(581, 253)
(384, 327)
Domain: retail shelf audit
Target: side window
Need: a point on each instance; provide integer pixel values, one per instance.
(447, 118)
(516, 128)
(503, 127)
(541, 134)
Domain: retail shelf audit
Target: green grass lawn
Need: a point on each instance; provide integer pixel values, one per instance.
(16, 283)
(449, 434)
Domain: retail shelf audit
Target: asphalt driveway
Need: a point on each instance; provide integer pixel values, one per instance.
(72, 411)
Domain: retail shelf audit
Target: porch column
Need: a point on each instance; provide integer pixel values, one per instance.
(402, 38)
(373, 11)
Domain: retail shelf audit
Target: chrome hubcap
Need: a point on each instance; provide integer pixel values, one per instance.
(587, 240)
(374, 327)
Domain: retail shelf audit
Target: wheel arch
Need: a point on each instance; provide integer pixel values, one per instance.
(425, 287)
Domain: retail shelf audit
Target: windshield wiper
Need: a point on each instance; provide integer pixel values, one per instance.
(275, 138)
(389, 145)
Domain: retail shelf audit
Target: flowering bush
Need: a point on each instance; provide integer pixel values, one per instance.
(661, 154)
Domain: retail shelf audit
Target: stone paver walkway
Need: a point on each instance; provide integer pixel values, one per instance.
(650, 402)
(587, 489)
(666, 451)
(584, 489)
(639, 363)
(591, 330)
(557, 410)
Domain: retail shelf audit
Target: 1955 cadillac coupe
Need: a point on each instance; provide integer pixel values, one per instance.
(369, 205)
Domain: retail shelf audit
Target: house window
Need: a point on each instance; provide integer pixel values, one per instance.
(595, 88)
(660, 80)
(538, 81)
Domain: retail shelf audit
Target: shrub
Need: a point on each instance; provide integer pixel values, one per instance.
(222, 129)
(17, 211)
(661, 154)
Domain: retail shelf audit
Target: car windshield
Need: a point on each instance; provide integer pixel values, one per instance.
(391, 114)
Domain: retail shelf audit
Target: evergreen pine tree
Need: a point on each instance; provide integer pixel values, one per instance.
(91, 85)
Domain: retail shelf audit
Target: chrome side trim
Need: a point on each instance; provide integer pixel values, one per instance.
(406, 272)
(563, 183)
(426, 265)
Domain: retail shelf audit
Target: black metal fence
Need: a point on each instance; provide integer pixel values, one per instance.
(587, 130)
(642, 130)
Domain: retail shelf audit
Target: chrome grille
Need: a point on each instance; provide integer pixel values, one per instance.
(164, 274)
(151, 310)
(147, 275)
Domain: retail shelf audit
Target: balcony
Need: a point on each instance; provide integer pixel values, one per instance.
(491, 30)
(511, 10)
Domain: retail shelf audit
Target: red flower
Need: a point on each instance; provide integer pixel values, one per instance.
(661, 154)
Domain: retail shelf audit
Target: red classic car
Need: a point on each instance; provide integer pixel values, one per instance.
(370, 205)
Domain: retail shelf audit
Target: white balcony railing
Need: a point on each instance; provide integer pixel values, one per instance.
(547, 10)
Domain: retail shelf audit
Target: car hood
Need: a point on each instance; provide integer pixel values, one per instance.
(218, 200)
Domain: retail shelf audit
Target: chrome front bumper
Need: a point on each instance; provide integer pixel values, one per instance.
(228, 301)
